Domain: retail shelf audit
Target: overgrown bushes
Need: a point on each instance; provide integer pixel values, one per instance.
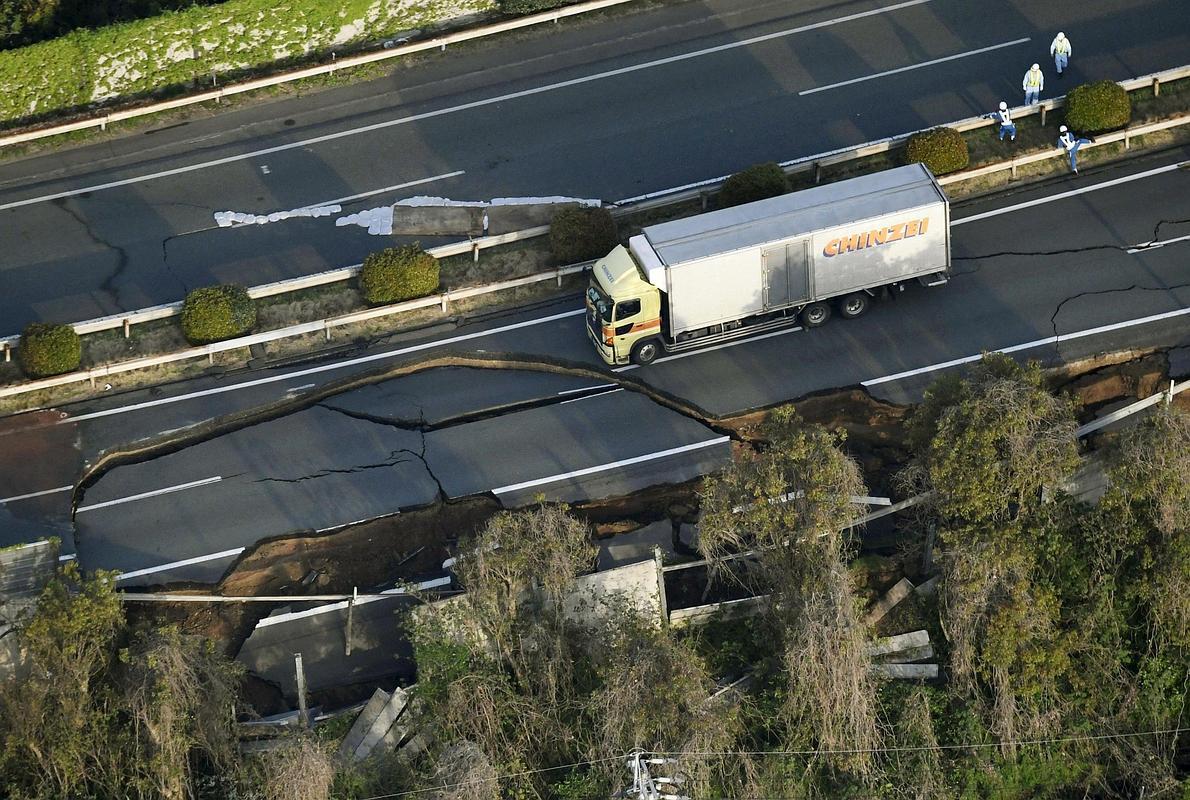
(189, 46)
(754, 183)
(47, 350)
(398, 273)
(582, 233)
(1098, 106)
(213, 313)
(943, 150)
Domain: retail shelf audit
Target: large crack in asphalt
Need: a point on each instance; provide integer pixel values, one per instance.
(1135, 287)
(108, 286)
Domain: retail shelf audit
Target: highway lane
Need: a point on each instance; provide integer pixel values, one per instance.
(1071, 269)
(631, 104)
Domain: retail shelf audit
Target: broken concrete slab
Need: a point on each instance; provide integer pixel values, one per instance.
(921, 672)
(898, 643)
(910, 655)
(363, 723)
(928, 588)
(388, 714)
(888, 601)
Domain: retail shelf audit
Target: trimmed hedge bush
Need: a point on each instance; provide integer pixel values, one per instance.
(1097, 107)
(943, 150)
(214, 313)
(582, 233)
(398, 273)
(754, 183)
(47, 350)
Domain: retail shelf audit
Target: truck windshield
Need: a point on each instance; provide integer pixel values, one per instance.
(601, 302)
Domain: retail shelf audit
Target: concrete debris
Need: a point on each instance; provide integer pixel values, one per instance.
(898, 643)
(910, 655)
(363, 723)
(921, 672)
(928, 588)
(382, 721)
(378, 221)
(888, 602)
(225, 219)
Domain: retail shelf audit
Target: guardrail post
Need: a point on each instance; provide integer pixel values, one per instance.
(1012, 169)
(474, 251)
(1043, 116)
(1127, 140)
(8, 347)
(1169, 392)
(127, 328)
(559, 280)
(444, 300)
(703, 198)
(1156, 86)
(817, 171)
(326, 328)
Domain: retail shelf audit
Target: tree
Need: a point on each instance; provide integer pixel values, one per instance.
(791, 503)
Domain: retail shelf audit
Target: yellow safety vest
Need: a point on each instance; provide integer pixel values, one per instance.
(1033, 78)
(1062, 47)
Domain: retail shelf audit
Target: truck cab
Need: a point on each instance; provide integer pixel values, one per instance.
(623, 310)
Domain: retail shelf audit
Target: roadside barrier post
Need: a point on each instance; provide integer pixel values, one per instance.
(300, 676)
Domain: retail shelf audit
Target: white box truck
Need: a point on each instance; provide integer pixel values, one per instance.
(754, 267)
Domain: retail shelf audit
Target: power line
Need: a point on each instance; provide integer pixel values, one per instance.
(820, 752)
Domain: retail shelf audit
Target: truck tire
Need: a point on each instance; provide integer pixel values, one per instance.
(645, 351)
(815, 314)
(853, 305)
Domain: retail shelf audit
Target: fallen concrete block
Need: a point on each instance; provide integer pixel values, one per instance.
(928, 588)
(889, 601)
(907, 656)
(363, 723)
(920, 672)
(898, 643)
(384, 720)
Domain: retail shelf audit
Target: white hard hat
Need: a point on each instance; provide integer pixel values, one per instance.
(1034, 67)
(1061, 129)
(1061, 35)
(1003, 106)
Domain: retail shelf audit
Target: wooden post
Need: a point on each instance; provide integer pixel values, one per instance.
(300, 674)
(350, 617)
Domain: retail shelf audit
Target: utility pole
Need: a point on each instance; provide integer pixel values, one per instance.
(646, 785)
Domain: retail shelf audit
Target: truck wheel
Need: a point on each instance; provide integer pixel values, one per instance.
(644, 351)
(854, 305)
(815, 314)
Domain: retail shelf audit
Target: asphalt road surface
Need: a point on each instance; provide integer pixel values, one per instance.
(1056, 271)
(619, 105)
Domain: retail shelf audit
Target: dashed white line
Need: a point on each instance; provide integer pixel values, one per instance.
(1144, 247)
(1063, 195)
(136, 573)
(930, 63)
(587, 388)
(393, 188)
(588, 397)
(31, 495)
(467, 106)
(181, 487)
(324, 367)
(578, 473)
(1064, 337)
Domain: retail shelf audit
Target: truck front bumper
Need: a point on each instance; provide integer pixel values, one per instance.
(608, 354)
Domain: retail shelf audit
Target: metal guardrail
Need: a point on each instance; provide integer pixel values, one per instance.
(1165, 396)
(630, 205)
(438, 42)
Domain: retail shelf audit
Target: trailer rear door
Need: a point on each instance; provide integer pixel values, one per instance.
(787, 273)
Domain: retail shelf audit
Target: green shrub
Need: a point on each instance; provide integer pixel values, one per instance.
(755, 183)
(398, 273)
(46, 350)
(582, 233)
(214, 313)
(1098, 106)
(943, 150)
(530, 6)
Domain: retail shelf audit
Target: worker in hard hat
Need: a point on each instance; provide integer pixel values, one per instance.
(1067, 141)
(1033, 83)
(1004, 117)
(1060, 50)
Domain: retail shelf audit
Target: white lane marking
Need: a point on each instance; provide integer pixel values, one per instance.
(588, 388)
(181, 487)
(325, 367)
(723, 346)
(1064, 337)
(578, 473)
(290, 616)
(466, 106)
(186, 562)
(930, 63)
(293, 389)
(588, 397)
(1157, 245)
(393, 188)
(31, 495)
(67, 557)
(1063, 195)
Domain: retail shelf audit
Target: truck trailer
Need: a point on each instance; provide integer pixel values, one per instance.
(738, 271)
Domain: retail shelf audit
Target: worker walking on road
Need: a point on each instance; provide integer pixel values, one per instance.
(1066, 140)
(1007, 126)
(1033, 83)
(1060, 50)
